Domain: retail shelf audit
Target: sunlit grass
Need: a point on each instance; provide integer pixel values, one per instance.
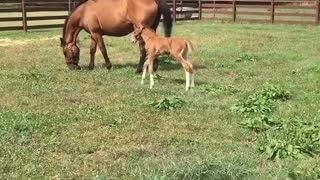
(56, 123)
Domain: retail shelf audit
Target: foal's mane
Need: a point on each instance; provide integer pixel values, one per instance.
(67, 19)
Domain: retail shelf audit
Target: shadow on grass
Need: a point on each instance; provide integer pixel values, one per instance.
(171, 67)
(164, 64)
(183, 81)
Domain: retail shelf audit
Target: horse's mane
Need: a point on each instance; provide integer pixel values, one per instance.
(67, 19)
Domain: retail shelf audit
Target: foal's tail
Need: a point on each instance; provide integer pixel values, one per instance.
(189, 45)
(167, 19)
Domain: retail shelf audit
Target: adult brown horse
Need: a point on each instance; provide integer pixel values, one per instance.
(112, 18)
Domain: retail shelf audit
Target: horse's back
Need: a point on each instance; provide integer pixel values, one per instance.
(115, 17)
(141, 11)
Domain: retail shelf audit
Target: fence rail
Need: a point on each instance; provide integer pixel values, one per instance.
(24, 14)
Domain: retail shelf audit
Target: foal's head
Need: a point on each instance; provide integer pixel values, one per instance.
(71, 53)
(136, 35)
(139, 29)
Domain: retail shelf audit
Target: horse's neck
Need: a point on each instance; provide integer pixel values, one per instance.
(73, 27)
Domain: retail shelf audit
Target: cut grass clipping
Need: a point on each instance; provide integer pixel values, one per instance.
(282, 138)
(246, 58)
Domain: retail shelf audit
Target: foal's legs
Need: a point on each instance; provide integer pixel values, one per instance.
(98, 38)
(93, 49)
(188, 69)
(143, 55)
(145, 66)
(143, 52)
(150, 62)
(184, 55)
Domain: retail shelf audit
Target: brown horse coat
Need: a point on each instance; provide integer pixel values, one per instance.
(112, 18)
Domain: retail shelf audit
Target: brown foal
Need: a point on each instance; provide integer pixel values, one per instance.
(156, 45)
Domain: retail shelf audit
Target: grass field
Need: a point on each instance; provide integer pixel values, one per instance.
(61, 124)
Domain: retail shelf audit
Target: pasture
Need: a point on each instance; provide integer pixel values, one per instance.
(61, 124)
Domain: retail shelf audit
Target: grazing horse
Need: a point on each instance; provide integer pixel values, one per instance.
(156, 45)
(112, 18)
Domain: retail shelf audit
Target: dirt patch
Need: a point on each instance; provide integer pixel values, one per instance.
(9, 42)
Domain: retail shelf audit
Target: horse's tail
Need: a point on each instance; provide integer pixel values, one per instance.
(167, 19)
(189, 45)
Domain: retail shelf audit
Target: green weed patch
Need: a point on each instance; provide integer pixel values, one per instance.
(167, 103)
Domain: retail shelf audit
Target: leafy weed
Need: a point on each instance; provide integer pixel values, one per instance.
(167, 103)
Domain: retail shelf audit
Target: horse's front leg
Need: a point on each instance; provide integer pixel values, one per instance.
(93, 49)
(98, 38)
(143, 55)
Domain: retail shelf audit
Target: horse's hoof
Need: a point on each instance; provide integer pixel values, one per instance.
(155, 68)
(109, 69)
(139, 70)
(90, 68)
(74, 67)
(108, 66)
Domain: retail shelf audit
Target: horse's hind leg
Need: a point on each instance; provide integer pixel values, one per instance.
(93, 49)
(143, 55)
(155, 27)
(98, 38)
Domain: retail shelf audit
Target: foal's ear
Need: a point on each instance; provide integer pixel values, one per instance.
(135, 26)
(61, 42)
(138, 26)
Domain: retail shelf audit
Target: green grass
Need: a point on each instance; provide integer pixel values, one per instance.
(61, 124)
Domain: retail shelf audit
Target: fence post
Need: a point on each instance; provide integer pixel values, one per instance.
(69, 6)
(234, 9)
(174, 10)
(200, 9)
(24, 16)
(318, 12)
(272, 12)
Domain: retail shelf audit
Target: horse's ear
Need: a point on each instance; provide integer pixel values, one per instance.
(61, 42)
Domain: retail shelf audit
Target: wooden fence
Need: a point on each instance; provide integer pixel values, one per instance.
(263, 11)
(38, 14)
(16, 12)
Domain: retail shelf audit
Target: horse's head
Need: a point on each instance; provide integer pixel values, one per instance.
(71, 53)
